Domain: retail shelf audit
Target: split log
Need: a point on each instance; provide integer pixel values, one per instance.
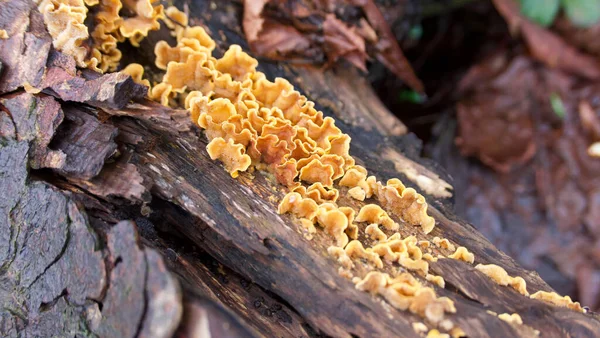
(67, 274)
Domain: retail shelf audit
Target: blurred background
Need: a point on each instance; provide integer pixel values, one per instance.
(505, 95)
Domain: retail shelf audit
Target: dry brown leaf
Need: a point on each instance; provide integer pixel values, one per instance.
(253, 21)
(495, 113)
(310, 29)
(276, 40)
(342, 41)
(546, 46)
(585, 39)
(388, 50)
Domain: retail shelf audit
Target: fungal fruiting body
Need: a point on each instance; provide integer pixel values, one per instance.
(405, 292)
(437, 280)
(511, 318)
(463, 254)
(443, 243)
(433, 333)
(419, 327)
(501, 277)
(65, 22)
(252, 122)
(555, 299)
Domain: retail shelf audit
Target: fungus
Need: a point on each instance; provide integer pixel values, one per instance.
(394, 237)
(193, 74)
(373, 282)
(443, 243)
(437, 280)
(165, 53)
(429, 257)
(414, 264)
(424, 244)
(136, 28)
(236, 63)
(519, 284)
(64, 20)
(433, 333)
(446, 325)
(175, 19)
(345, 273)
(425, 300)
(512, 319)
(199, 34)
(594, 150)
(384, 251)
(357, 193)
(555, 299)
(232, 155)
(335, 223)
(3, 34)
(462, 254)
(355, 249)
(457, 332)
(253, 123)
(375, 233)
(396, 245)
(501, 277)
(315, 171)
(341, 257)
(300, 207)
(353, 177)
(163, 93)
(406, 203)
(419, 327)
(318, 193)
(352, 229)
(373, 213)
(309, 227)
(405, 292)
(136, 71)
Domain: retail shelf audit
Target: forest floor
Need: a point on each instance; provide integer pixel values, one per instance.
(514, 133)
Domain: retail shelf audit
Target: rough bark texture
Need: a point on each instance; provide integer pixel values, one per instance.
(71, 264)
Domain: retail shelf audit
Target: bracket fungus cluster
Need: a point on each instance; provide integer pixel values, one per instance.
(253, 123)
(405, 292)
(114, 21)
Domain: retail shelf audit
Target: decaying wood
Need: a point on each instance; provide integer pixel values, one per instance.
(63, 272)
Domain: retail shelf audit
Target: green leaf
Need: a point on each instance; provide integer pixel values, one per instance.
(411, 96)
(542, 12)
(415, 32)
(582, 13)
(557, 105)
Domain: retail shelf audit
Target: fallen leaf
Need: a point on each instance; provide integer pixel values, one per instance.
(546, 46)
(253, 22)
(342, 41)
(552, 196)
(585, 39)
(314, 29)
(276, 40)
(388, 50)
(497, 102)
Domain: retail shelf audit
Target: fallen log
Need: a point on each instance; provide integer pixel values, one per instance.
(142, 161)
